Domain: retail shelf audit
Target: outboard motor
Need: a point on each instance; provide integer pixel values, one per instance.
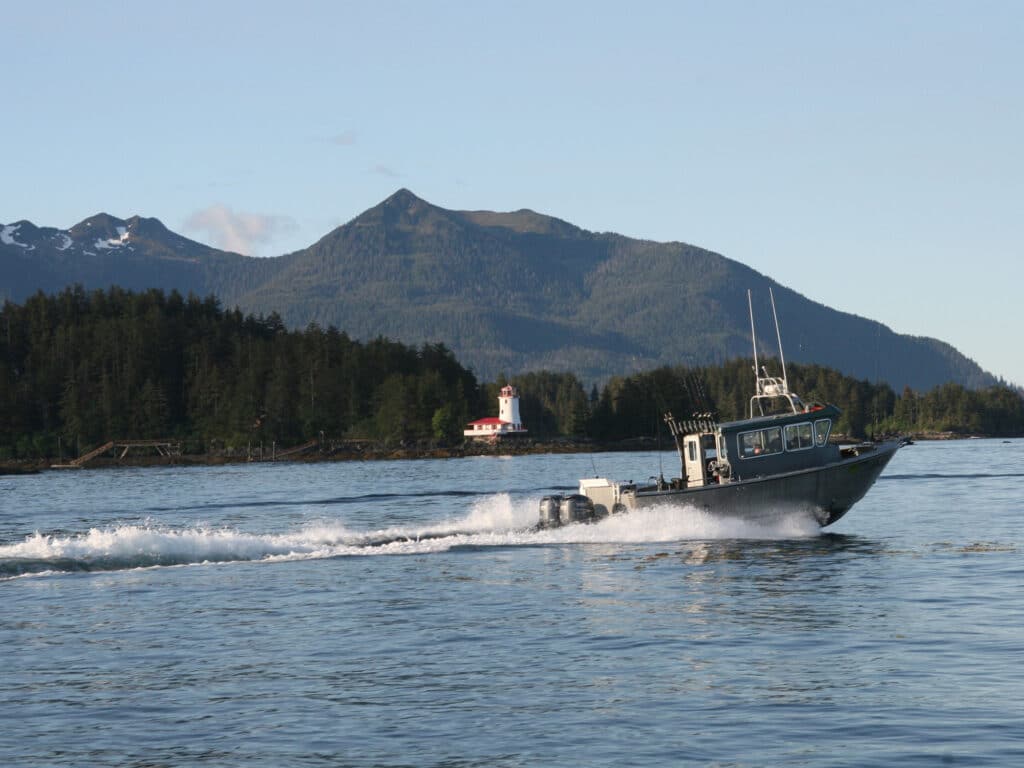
(576, 508)
(549, 512)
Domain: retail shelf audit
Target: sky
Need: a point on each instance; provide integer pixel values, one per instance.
(868, 155)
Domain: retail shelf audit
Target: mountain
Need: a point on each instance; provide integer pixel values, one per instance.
(507, 292)
(135, 253)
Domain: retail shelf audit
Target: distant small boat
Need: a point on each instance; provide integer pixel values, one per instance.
(777, 461)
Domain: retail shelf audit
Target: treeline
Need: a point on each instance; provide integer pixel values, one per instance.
(89, 367)
(633, 406)
(80, 368)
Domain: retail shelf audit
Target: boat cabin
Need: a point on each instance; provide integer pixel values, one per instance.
(785, 443)
(781, 435)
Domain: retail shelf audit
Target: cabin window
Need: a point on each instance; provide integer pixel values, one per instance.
(798, 436)
(707, 442)
(691, 449)
(805, 435)
(821, 429)
(761, 442)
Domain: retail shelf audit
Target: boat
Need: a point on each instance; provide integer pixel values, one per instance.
(779, 460)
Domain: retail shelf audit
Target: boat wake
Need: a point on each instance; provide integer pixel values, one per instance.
(496, 521)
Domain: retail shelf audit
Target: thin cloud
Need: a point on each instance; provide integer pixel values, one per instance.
(238, 231)
(383, 170)
(344, 139)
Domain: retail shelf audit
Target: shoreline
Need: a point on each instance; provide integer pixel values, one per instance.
(360, 451)
(354, 451)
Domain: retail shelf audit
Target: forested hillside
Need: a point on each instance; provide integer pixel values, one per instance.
(520, 291)
(112, 364)
(505, 292)
(81, 368)
(869, 410)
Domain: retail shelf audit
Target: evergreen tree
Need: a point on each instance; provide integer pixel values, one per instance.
(80, 368)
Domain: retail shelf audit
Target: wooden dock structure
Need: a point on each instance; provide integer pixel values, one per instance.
(278, 455)
(163, 448)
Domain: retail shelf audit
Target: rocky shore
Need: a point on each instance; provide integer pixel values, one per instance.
(356, 450)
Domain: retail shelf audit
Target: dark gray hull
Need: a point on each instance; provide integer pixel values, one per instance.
(826, 492)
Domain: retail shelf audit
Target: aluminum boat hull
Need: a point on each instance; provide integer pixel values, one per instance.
(826, 492)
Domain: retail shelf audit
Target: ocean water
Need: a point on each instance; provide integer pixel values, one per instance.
(403, 614)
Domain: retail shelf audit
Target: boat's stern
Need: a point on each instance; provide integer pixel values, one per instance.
(598, 498)
(602, 492)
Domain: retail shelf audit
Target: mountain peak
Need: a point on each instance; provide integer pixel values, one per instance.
(402, 211)
(149, 227)
(405, 209)
(403, 198)
(100, 225)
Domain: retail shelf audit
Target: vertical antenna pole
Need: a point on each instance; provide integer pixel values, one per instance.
(778, 336)
(753, 334)
(757, 372)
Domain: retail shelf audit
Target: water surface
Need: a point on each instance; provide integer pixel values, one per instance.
(403, 614)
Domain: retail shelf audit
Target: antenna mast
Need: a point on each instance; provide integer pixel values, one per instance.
(778, 336)
(753, 334)
(769, 387)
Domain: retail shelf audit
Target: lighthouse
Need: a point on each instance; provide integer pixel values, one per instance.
(508, 408)
(507, 423)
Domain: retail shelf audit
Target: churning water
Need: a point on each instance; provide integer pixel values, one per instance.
(405, 614)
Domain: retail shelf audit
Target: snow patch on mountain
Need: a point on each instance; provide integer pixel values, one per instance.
(7, 236)
(113, 242)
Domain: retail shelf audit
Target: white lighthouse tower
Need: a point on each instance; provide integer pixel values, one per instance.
(508, 408)
(507, 422)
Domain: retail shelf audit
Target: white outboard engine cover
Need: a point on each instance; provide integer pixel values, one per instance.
(576, 508)
(549, 511)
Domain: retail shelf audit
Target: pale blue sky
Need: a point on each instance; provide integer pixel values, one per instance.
(868, 155)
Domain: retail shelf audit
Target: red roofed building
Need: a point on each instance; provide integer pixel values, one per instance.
(506, 423)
